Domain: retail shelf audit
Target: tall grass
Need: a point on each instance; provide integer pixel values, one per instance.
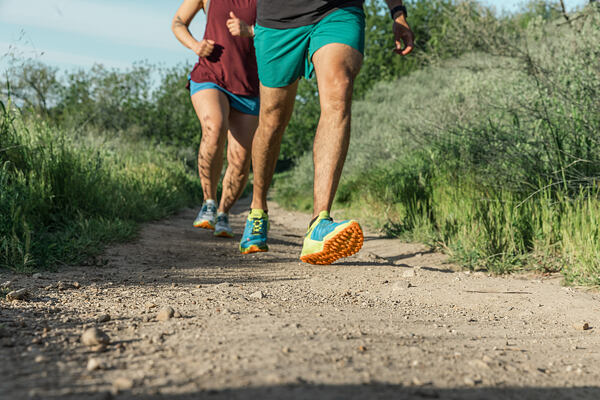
(494, 156)
(63, 195)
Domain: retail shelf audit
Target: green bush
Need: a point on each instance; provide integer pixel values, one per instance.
(62, 196)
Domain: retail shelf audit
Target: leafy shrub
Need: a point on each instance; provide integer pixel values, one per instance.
(63, 196)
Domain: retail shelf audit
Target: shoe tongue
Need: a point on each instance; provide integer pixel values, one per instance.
(257, 213)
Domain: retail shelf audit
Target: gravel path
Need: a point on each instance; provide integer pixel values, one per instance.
(188, 317)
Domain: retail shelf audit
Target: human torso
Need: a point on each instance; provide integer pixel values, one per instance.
(232, 64)
(283, 14)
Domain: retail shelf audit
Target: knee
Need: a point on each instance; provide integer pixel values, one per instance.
(212, 128)
(336, 95)
(272, 119)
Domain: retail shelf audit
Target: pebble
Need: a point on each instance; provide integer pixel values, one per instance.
(401, 285)
(469, 381)
(94, 337)
(580, 326)
(21, 294)
(408, 274)
(37, 276)
(165, 313)
(94, 364)
(40, 359)
(120, 384)
(258, 295)
(103, 318)
(177, 314)
(6, 285)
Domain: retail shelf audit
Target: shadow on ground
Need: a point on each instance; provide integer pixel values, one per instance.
(370, 391)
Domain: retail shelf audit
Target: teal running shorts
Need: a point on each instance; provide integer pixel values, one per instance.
(284, 55)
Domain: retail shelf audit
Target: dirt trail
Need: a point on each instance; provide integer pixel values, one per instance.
(394, 321)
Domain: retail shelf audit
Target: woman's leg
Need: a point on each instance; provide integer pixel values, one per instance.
(239, 148)
(212, 108)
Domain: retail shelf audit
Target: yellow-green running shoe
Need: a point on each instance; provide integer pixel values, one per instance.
(254, 239)
(327, 241)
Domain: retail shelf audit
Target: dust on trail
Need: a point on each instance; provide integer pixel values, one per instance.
(393, 322)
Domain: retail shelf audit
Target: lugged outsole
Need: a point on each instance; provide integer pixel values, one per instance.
(205, 225)
(347, 242)
(224, 234)
(254, 249)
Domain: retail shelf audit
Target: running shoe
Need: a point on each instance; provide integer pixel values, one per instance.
(207, 215)
(327, 241)
(255, 234)
(222, 228)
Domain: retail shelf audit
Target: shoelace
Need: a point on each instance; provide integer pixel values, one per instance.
(257, 226)
(223, 218)
(205, 209)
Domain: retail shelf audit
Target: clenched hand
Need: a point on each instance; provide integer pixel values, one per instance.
(204, 48)
(237, 27)
(403, 36)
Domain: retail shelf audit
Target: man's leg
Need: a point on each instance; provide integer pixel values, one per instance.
(336, 67)
(276, 106)
(212, 108)
(239, 146)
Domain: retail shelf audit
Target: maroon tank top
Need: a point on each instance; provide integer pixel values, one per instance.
(232, 64)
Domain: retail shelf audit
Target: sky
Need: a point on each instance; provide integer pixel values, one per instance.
(72, 34)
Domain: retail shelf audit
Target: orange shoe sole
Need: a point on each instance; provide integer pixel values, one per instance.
(224, 235)
(346, 243)
(205, 225)
(254, 249)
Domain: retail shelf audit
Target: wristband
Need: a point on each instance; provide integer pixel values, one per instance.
(399, 8)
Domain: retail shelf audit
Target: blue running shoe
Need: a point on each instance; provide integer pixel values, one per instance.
(207, 216)
(327, 241)
(254, 239)
(222, 228)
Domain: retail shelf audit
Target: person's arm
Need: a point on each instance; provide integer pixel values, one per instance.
(180, 27)
(403, 35)
(237, 27)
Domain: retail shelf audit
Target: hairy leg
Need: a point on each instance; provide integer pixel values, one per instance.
(212, 108)
(336, 66)
(276, 106)
(239, 146)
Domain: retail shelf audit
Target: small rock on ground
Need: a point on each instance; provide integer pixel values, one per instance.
(408, 274)
(165, 313)
(94, 337)
(582, 326)
(103, 318)
(94, 364)
(258, 295)
(120, 384)
(21, 294)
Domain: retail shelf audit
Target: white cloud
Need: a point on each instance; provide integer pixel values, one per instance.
(134, 23)
(54, 57)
